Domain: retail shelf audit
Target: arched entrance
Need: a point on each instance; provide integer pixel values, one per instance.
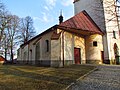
(116, 53)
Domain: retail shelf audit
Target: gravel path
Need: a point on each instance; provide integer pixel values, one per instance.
(105, 78)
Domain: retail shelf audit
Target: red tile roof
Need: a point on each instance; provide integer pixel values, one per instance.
(2, 58)
(82, 22)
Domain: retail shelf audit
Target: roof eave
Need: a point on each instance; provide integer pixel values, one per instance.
(46, 31)
(75, 1)
(79, 30)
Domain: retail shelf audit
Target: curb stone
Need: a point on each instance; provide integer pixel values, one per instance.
(82, 77)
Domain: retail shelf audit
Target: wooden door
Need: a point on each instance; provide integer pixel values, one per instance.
(102, 56)
(77, 55)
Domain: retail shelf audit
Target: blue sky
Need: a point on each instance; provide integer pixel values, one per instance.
(45, 13)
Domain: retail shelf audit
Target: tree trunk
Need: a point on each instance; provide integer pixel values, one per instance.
(11, 54)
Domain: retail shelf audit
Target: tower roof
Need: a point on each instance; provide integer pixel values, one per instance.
(60, 17)
(82, 22)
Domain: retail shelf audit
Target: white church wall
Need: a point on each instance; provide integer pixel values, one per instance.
(55, 53)
(111, 26)
(19, 54)
(45, 56)
(24, 53)
(32, 52)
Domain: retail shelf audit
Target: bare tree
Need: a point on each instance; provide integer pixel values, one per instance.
(108, 7)
(11, 33)
(3, 19)
(27, 30)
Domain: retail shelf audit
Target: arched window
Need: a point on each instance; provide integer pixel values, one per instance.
(47, 45)
(114, 34)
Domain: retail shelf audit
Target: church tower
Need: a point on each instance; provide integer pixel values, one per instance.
(104, 14)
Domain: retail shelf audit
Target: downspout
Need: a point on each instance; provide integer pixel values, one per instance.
(63, 47)
(60, 21)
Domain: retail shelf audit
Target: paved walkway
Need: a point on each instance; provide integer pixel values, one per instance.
(105, 78)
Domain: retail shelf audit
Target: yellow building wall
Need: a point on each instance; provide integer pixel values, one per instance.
(93, 53)
(80, 43)
(70, 42)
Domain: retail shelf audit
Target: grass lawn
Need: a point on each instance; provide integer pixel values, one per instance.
(39, 78)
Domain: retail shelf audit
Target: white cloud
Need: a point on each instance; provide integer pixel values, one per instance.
(51, 2)
(46, 8)
(44, 18)
(67, 2)
(36, 18)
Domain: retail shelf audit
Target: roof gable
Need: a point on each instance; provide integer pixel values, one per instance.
(41, 34)
(82, 21)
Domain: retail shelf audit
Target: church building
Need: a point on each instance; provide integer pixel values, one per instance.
(79, 40)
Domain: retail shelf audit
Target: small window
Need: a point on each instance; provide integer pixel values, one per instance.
(114, 34)
(47, 45)
(95, 43)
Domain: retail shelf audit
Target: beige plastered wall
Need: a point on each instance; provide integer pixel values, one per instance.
(71, 41)
(93, 53)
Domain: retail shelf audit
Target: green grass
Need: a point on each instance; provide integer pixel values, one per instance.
(39, 78)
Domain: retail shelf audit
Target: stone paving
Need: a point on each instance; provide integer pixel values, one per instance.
(105, 78)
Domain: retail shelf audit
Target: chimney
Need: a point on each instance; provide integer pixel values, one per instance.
(60, 18)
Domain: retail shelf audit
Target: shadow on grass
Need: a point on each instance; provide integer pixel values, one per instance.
(16, 72)
(59, 77)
